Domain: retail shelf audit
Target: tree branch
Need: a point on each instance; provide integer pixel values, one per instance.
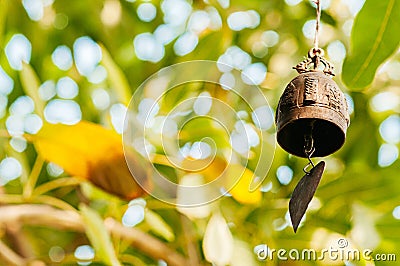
(190, 240)
(146, 243)
(32, 214)
(9, 256)
(17, 241)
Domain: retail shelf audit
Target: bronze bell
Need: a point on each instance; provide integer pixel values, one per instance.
(312, 108)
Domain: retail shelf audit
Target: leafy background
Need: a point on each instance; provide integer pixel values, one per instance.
(63, 62)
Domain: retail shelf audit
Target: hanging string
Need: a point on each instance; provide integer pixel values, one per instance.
(317, 22)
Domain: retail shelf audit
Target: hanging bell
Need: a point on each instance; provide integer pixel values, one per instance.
(312, 108)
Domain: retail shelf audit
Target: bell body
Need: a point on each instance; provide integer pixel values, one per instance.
(312, 104)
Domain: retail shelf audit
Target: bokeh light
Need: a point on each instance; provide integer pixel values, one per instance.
(284, 174)
(118, 112)
(10, 169)
(176, 12)
(387, 155)
(263, 117)
(165, 34)
(336, 51)
(85, 253)
(199, 21)
(87, 55)
(34, 9)
(54, 170)
(147, 48)
(133, 215)
(6, 83)
(146, 12)
(396, 212)
(63, 111)
(227, 81)
(270, 38)
(254, 74)
(18, 50)
(101, 99)
(19, 144)
(390, 129)
(203, 103)
(67, 88)
(56, 254)
(241, 20)
(47, 90)
(186, 43)
(62, 57)
(385, 101)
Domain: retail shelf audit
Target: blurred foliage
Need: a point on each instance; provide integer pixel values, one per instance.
(369, 50)
(358, 198)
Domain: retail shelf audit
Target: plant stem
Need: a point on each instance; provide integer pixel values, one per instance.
(146, 243)
(8, 256)
(11, 199)
(162, 159)
(18, 199)
(55, 202)
(190, 239)
(57, 183)
(44, 215)
(33, 177)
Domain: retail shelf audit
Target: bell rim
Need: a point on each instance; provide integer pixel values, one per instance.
(303, 112)
(299, 115)
(295, 152)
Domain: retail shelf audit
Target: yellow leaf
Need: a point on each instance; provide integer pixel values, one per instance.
(210, 169)
(236, 178)
(240, 178)
(89, 151)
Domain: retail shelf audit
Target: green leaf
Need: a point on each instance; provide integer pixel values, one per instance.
(3, 17)
(98, 236)
(30, 83)
(375, 36)
(158, 225)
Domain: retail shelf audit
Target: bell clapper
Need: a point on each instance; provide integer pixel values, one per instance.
(303, 194)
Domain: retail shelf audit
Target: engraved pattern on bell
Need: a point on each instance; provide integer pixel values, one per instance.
(312, 103)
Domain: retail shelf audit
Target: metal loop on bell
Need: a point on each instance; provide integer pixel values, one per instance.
(315, 56)
(316, 52)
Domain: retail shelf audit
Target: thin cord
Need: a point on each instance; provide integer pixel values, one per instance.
(316, 44)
